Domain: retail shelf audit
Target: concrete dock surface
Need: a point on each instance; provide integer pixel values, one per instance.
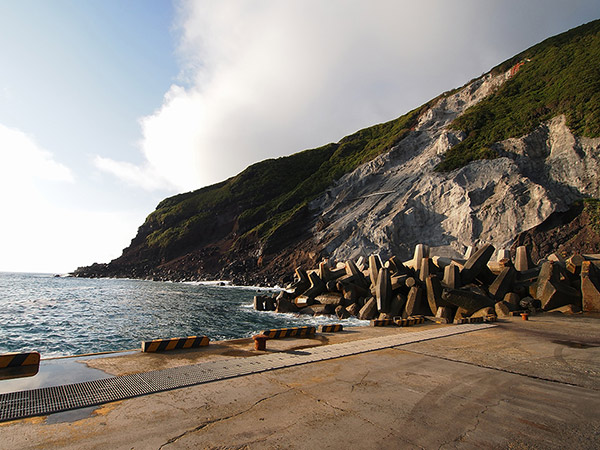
(520, 385)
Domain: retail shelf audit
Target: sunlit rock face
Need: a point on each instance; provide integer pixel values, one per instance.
(397, 200)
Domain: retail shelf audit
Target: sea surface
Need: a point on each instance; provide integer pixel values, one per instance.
(64, 316)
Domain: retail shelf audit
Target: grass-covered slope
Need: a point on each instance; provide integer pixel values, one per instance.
(264, 197)
(561, 75)
(264, 208)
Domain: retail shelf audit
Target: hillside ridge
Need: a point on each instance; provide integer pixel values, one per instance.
(456, 171)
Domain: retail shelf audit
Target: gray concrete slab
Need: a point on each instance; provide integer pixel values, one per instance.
(497, 388)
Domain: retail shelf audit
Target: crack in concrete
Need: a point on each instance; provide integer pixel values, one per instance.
(465, 433)
(499, 369)
(219, 419)
(360, 382)
(390, 431)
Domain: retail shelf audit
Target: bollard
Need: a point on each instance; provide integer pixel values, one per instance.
(525, 316)
(260, 341)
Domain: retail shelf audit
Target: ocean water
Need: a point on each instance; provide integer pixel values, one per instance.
(63, 316)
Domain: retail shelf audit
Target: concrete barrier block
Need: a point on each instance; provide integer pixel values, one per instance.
(590, 287)
(342, 313)
(8, 360)
(476, 264)
(451, 276)
(369, 311)
(279, 333)
(382, 322)
(503, 283)
(333, 328)
(468, 300)
(161, 345)
(434, 293)
(383, 290)
(421, 251)
(374, 266)
(521, 259)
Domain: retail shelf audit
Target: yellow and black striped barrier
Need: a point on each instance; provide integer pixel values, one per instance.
(19, 360)
(160, 345)
(19, 365)
(289, 332)
(382, 322)
(409, 321)
(491, 318)
(331, 328)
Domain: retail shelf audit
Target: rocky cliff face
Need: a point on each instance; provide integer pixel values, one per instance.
(381, 189)
(397, 200)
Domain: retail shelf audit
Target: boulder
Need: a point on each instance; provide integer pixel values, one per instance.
(374, 267)
(330, 298)
(270, 304)
(259, 302)
(513, 300)
(383, 290)
(590, 287)
(434, 293)
(522, 259)
(530, 304)
(468, 300)
(476, 264)
(445, 314)
(502, 309)
(557, 294)
(397, 267)
(415, 304)
(461, 313)
(303, 301)
(353, 309)
(484, 312)
(421, 251)
(503, 283)
(317, 310)
(342, 313)
(369, 311)
(286, 306)
(397, 305)
(357, 275)
(317, 286)
(451, 276)
(567, 309)
(302, 283)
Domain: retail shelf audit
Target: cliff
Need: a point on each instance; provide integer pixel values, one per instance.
(481, 164)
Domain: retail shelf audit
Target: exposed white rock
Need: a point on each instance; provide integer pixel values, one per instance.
(396, 201)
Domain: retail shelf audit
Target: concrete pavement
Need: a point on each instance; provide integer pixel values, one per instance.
(526, 385)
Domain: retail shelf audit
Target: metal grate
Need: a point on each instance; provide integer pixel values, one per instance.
(43, 401)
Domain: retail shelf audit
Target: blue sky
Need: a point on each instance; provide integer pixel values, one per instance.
(109, 106)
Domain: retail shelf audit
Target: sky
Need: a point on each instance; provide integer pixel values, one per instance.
(109, 106)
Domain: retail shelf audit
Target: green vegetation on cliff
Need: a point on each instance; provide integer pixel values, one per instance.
(561, 75)
(592, 208)
(266, 195)
(262, 203)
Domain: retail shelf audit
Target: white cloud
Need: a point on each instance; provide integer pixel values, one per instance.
(22, 161)
(145, 177)
(38, 232)
(269, 78)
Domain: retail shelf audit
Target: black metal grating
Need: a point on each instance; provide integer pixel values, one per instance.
(43, 401)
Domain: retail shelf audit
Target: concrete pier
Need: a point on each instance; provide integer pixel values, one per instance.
(521, 384)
